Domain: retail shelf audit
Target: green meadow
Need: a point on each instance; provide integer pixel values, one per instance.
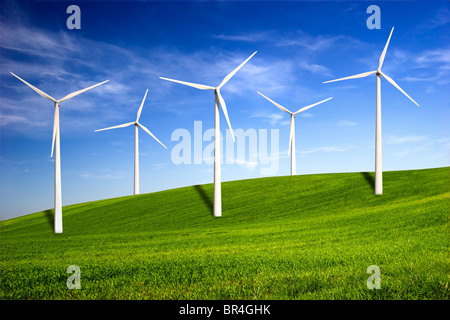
(301, 237)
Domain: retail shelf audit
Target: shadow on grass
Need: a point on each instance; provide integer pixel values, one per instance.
(206, 199)
(50, 217)
(370, 179)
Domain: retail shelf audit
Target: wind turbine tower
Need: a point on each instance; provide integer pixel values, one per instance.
(137, 125)
(291, 149)
(56, 146)
(379, 73)
(217, 156)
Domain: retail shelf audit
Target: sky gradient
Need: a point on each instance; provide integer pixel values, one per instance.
(300, 45)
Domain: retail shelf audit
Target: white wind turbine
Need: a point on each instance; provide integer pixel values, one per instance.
(56, 146)
(217, 156)
(378, 72)
(136, 142)
(291, 149)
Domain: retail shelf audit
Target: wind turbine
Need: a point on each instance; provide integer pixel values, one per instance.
(291, 149)
(55, 146)
(378, 72)
(136, 142)
(217, 157)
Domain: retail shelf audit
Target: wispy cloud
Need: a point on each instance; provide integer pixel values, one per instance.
(306, 115)
(160, 165)
(441, 18)
(254, 37)
(247, 164)
(58, 64)
(296, 38)
(392, 139)
(420, 78)
(309, 45)
(346, 123)
(314, 68)
(423, 65)
(258, 74)
(16, 119)
(272, 118)
(103, 176)
(440, 55)
(432, 65)
(327, 149)
(431, 147)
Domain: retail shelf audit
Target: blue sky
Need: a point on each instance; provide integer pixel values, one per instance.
(300, 45)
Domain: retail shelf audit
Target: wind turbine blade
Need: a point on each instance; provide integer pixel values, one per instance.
(119, 126)
(73, 94)
(278, 105)
(383, 54)
(148, 131)
(190, 84)
(398, 87)
(232, 73)
(360, 75)
(224, 109)
(140, 108)
(55, 128)
(41, 93)
(311, 105)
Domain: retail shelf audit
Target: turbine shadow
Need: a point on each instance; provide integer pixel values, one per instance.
(370, 179)
(206, 199)
(50, 217)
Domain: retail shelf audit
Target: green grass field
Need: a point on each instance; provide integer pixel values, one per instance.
(302, 237)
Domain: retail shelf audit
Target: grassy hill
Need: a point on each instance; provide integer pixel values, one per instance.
(301, 237)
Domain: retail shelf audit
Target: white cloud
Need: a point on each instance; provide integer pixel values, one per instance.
(258, 74)
(297, 38)
(111, 176)
(441, 18)
(57, 68)
(306, 115)
(15, 119)
(420, 78)
(58, 63)
(160, 165)
(441, 55)
(326, 149)
(392, 139)
(249, 37)
(346, 123)
(250, 165)
(399, 154)
(430, 147)
(430, 89)
(272, 118)
(314, 68)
